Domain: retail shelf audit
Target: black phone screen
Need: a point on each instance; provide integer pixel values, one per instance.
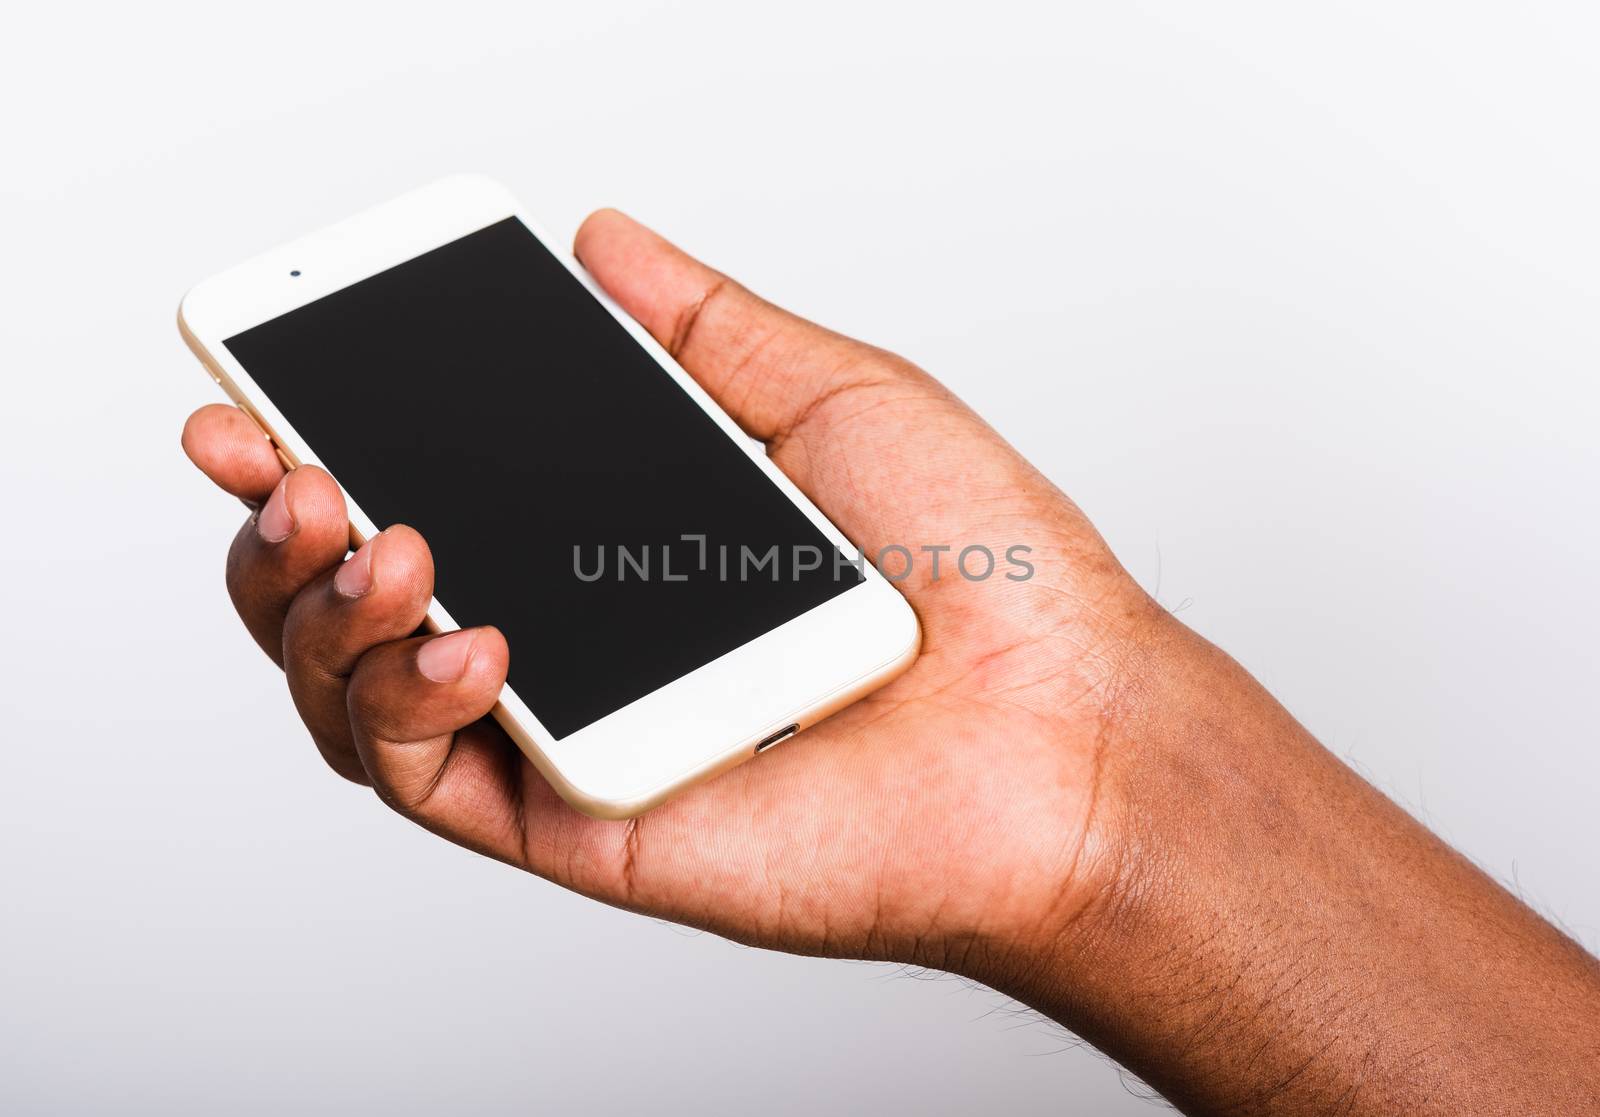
(480, 394)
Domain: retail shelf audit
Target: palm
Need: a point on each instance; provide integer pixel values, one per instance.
(837, 843)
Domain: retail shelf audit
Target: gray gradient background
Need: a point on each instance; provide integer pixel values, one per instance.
(1300, 307)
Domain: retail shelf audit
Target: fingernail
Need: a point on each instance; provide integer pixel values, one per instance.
(444, 658)
(354, 578)
(275, 524)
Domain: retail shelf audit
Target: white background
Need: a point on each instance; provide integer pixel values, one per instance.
(1297, 301)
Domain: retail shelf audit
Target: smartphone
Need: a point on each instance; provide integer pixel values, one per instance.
(673, 603)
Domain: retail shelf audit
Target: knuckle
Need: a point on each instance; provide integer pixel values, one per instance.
(683, 328)
(367, 714)
(373, 714)
(312, 667)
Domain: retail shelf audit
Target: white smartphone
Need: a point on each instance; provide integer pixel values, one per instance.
(672, 602)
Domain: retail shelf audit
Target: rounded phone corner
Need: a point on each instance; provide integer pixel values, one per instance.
(185, 313)
(904, 645)
(603, 804)
(911, 646)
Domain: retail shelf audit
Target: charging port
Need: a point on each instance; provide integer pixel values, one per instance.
(786, 731)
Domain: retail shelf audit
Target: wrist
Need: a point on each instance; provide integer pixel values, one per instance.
(1202, 826)
(1270, 934)
(1065, 925)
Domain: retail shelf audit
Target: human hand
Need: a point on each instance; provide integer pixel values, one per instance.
(946, 814)
(1069, 796)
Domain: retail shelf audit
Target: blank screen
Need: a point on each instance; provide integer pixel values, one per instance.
(480, 394)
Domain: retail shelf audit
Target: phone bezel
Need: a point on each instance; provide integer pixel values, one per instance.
(706, 721)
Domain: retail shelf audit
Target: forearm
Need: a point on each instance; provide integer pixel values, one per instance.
(1284, 939)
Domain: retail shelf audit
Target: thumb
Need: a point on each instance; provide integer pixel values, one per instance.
(881, 447)
(769, 369)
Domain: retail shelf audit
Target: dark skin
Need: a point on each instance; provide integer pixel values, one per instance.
(1070, 796)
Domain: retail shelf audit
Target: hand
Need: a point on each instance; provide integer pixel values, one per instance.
(944, 820)
(1070, 796)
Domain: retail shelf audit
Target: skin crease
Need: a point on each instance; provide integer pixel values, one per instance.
(1069, 796)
